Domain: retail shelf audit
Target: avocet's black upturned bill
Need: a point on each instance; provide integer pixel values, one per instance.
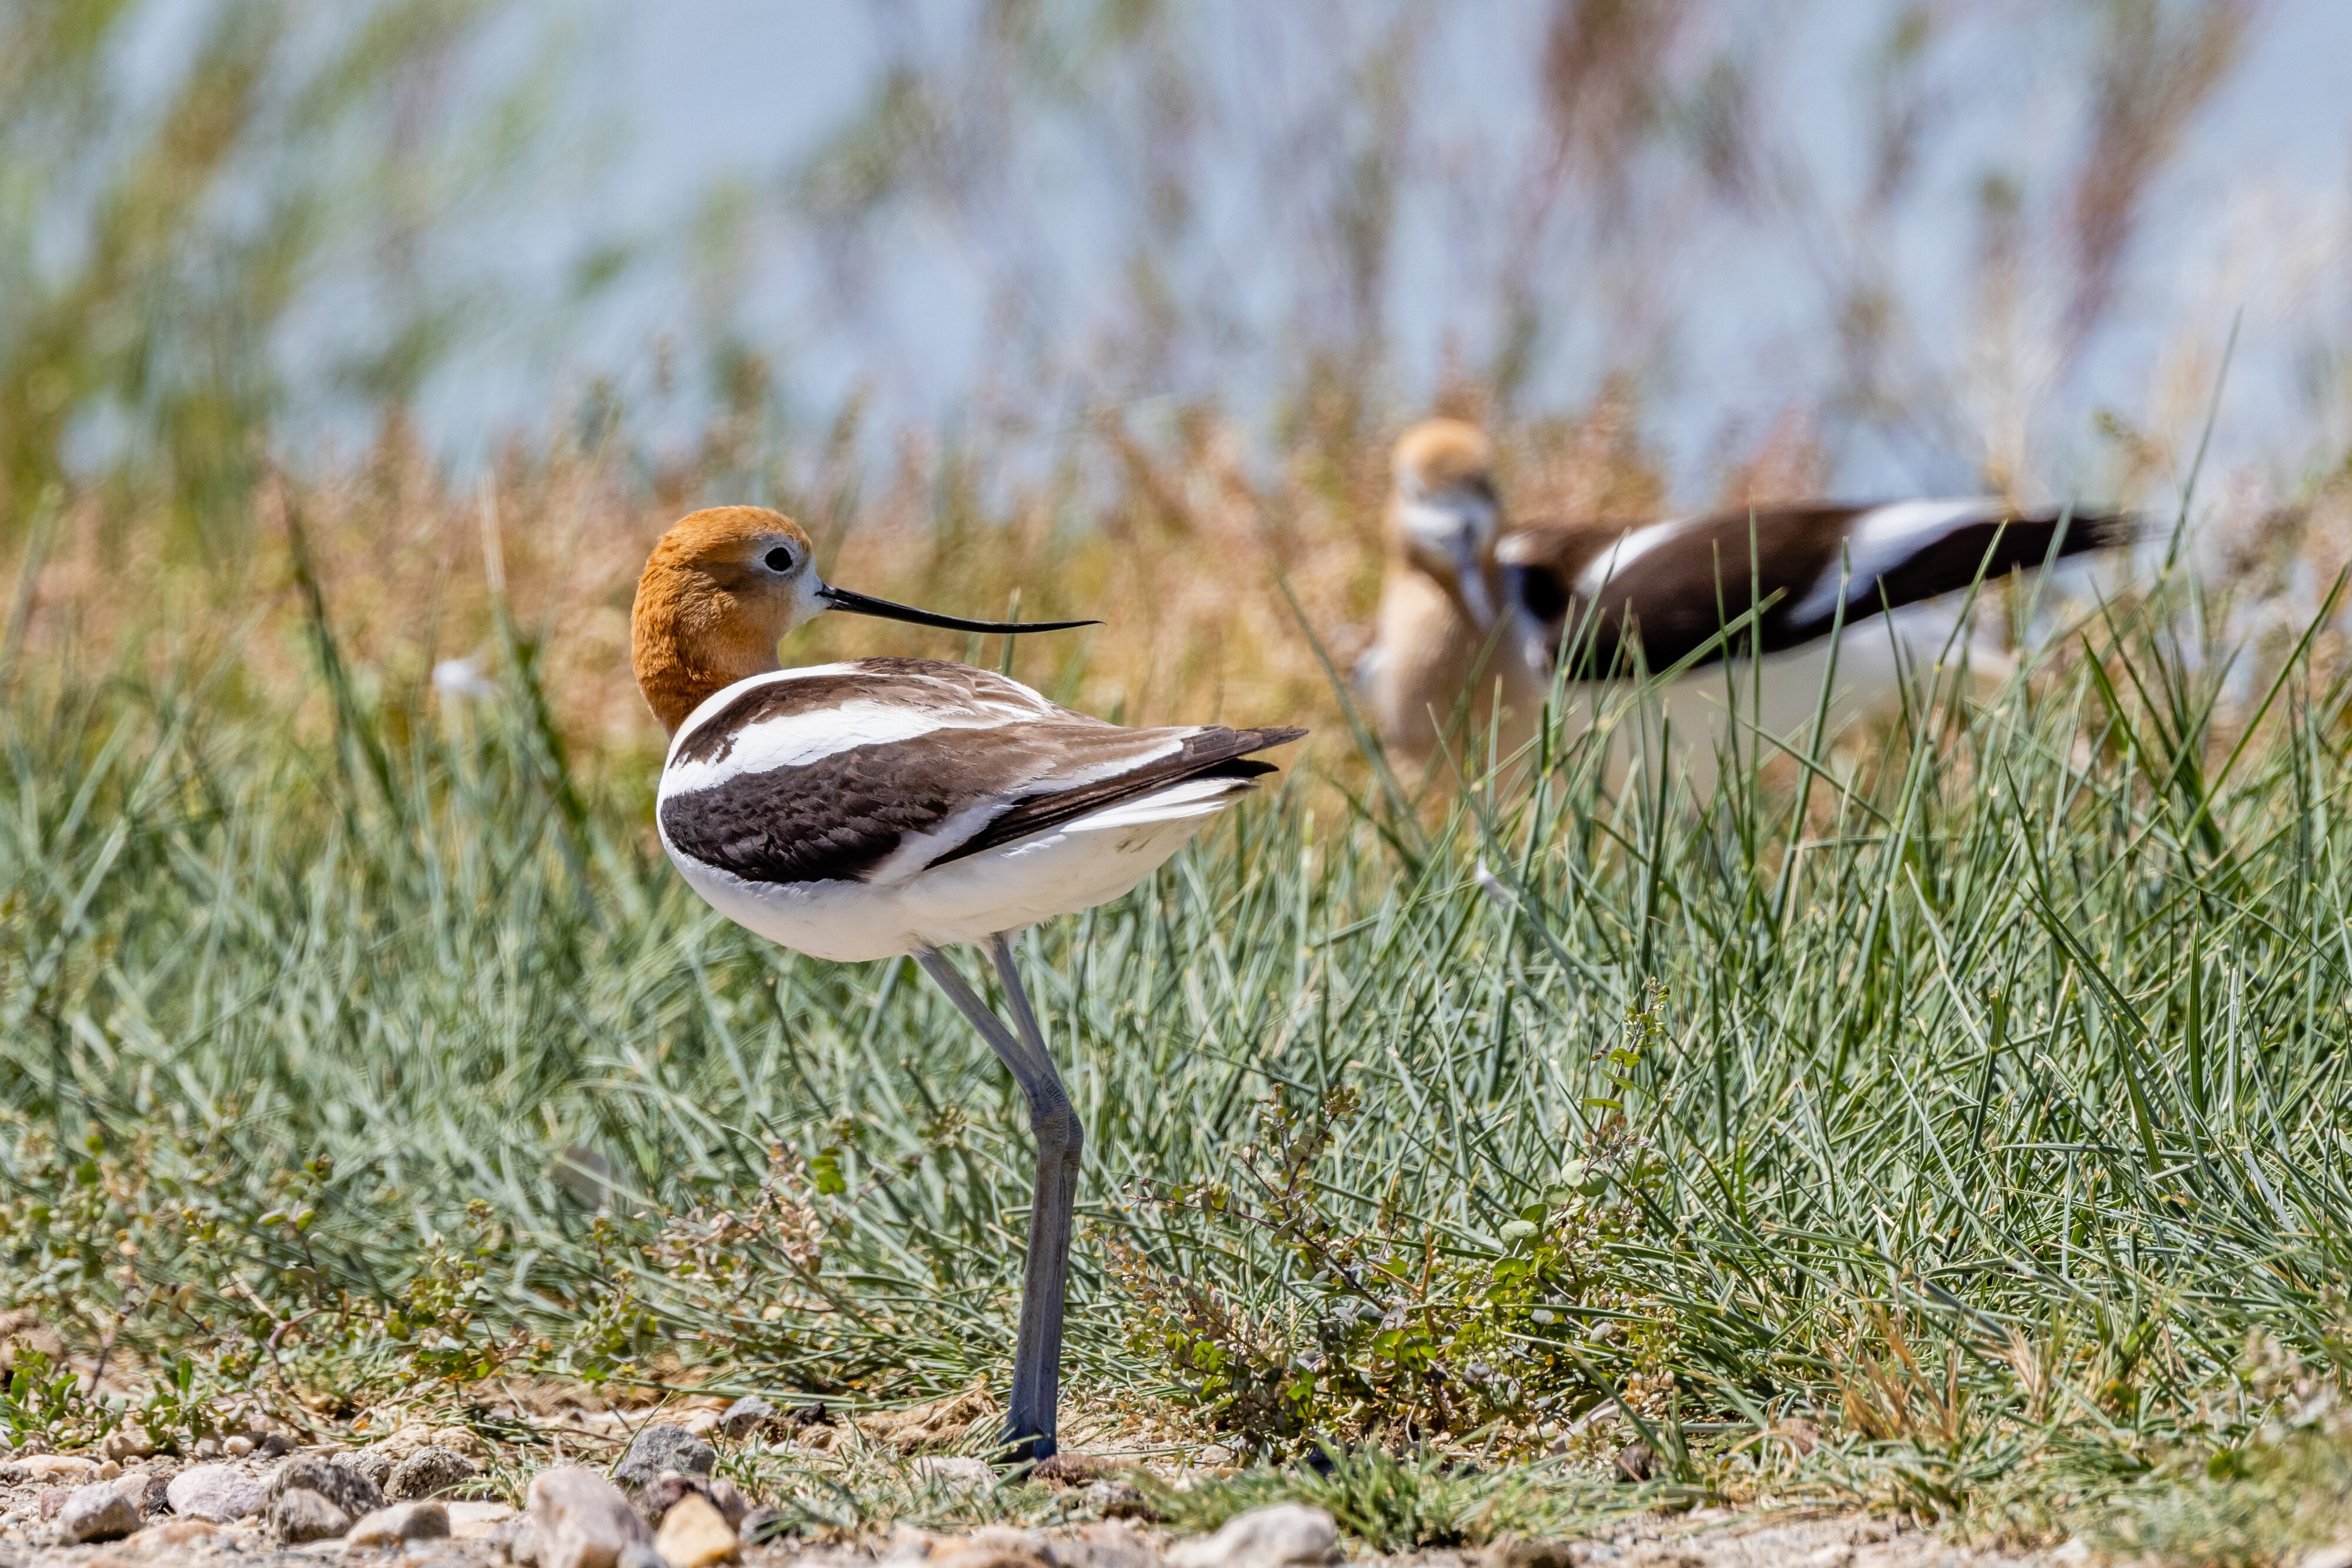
(895, 806)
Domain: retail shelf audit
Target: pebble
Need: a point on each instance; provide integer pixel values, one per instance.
(218, 1492)
(1118, 1499)
(580, 1520)
(405, 1440)
(996, 1547)
(97, 1512)
(52, 1499)
(729, 1500)
(149, 1491)
(129, 1442)
(398, 1523)
(460, 1439)
(430, 1469)
(1516, 1554)
(746, 1416)
(297, 1514)
(160, 1537)
(2337, 1556)
(375, 1463)
(694, 1534)
(659, 1448)
(1068, 1469)
(1106, 1543)
(906, 1544)
(1276, 1537)
(954, 1470)
(236, 1447)
(477, 1520)
(1802, 1435)
(352, 1494)
(68, 1470)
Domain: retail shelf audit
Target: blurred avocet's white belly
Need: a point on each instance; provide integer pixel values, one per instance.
(1689, 721)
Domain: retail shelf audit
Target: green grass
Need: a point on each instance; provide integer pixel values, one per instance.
(1394, 1503)
(1982, 1115)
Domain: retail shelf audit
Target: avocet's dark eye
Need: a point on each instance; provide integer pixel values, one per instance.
(779, 559)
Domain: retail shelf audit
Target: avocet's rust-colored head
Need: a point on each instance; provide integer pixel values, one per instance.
(727, 584)
(1443, 513)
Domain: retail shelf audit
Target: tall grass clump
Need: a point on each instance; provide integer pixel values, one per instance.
(1958, 1111)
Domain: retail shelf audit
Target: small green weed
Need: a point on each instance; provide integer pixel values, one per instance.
(1399, 1503)
(1396, 1329)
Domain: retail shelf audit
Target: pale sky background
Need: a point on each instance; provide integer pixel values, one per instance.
(1731, 327)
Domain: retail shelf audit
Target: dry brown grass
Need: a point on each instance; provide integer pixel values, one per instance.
(1185, 553)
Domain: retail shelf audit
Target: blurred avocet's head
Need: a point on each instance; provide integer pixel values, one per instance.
(726, 585)
(1443, 515)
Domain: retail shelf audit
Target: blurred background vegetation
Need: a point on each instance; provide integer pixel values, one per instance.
(1116, 304)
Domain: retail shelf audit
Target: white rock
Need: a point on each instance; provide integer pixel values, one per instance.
(580, 1520)
(477, 1521)
(97, 1513)
(2337, 1556)
(401, 1522)
(906, 1544)
(1287, 1534)
(954, 1470)
(218, 1492)
(59, 1470)
(131, 1442)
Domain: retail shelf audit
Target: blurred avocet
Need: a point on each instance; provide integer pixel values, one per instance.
(883, 807)
(1476, 613)
(1890, 578)
(1452, 656)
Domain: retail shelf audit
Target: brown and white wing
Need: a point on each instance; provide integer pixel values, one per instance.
(1675, 585)
(876, 770)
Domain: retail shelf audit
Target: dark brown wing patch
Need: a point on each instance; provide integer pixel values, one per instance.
(1676, 596)
(839, 818)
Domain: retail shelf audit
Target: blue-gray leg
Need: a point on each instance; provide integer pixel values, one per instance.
(1029, 1426)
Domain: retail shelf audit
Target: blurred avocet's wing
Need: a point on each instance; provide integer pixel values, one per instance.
(1674, 585)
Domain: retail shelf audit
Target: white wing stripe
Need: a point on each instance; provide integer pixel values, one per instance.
(1881, 539)
(725, 694)
(1192, 798)
(798, 739)
(1622, 554)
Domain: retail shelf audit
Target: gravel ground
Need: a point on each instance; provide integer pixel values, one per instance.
(1707, 1540)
